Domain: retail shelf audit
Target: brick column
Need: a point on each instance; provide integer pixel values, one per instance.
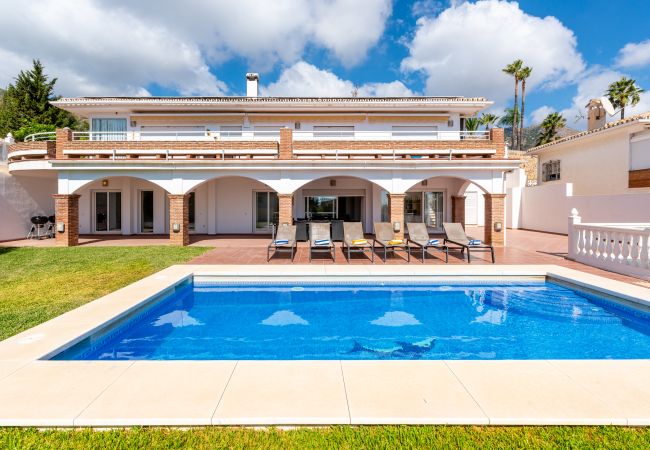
(179, 219)
(286, 143)
(458, 209)
(66, 210)
(498, 140)
(495, 211)
(63, 136)
(396, 212)
(285, 205)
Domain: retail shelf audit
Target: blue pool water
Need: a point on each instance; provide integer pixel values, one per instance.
(456, 320)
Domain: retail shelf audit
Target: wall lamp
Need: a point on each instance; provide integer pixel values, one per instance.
(176, 227)
(498, 227)
(397, 226)
(60, 227)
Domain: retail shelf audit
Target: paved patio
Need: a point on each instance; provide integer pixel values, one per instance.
(524, 247)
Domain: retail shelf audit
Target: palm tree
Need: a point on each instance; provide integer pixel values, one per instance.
(623, 92)
(523, 74)
(508, 118)
(471, 124)
(488, 119)
(513, 69)
(550, 128)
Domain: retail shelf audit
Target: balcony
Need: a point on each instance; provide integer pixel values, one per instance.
(281, 144)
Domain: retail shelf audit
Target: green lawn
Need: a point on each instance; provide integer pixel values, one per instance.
(384, 437)
(38, 284)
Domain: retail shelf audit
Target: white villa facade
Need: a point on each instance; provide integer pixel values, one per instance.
(603, 172)
(236, 165)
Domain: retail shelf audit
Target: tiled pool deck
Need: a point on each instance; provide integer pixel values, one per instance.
(122, 393)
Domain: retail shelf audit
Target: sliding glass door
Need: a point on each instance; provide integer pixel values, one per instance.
(433, 210)
(146, 211)
(266, 211)
(108, 211)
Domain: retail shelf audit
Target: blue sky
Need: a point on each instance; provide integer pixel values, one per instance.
(326, 47)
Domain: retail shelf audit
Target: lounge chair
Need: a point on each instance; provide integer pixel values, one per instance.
(320, 239)
(455, 234)
(284, 241)
(419, 237)
(354, 240)
(385, 237)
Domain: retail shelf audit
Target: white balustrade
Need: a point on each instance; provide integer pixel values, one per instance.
(618, 247)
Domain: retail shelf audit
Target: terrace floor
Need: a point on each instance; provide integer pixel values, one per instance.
(523, 247)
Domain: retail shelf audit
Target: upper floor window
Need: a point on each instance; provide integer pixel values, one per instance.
(230, 130)
(410, 131)
(108, 129)
(551, 170)
(326, 131)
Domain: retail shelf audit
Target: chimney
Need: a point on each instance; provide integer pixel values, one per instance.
(251, 84)
(596, 115)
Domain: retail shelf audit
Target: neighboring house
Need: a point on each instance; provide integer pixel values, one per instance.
(603, 172)
(236, 165)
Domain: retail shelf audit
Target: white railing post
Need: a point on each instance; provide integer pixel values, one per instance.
(574, 234)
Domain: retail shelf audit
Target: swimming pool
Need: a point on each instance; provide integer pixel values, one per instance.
(520, 319)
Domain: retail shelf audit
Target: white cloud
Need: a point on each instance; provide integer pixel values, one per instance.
(634, 55)
(120, 47)
(593, 84)
(304, 79)
(267, 32)
(462, 50)
(538, 115)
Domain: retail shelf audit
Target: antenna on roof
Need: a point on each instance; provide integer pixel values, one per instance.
(608, 107)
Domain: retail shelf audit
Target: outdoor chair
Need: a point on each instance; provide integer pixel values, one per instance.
(419, 237)
(320, 240)
(284, 241)
(385, 238)
(355, 241)
(455, 234)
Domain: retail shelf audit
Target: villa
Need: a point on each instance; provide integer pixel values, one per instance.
(238, 165)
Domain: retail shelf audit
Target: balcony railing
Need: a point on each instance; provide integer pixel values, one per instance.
(191, 136)
(390, 135)
(44, 136)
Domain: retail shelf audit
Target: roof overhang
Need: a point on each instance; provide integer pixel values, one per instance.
(87, 106)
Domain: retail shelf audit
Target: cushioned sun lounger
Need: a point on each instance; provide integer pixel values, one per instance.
(355, 241)
(283, 241)
(419, 237)
(455, 234)
(320, 239)
(385, 238)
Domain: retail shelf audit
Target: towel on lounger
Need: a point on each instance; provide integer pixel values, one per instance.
(434, 242)
(474, 242)
(322, 242)
(395, 242)
(281, 241)
(359, 241)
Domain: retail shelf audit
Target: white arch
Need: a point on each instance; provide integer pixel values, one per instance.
(71, 182)
(490, 182)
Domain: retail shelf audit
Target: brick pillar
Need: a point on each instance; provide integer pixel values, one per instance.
(63, 136)
(498, 140)
(495, 211)
(458, 209)
(179, 219)
(66, 210)
(285, 205)
(396, 212)
(286, 143)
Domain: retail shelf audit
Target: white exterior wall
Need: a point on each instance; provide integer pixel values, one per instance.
(596, 165)
(22, 197)
(234, 204)
(547, 207)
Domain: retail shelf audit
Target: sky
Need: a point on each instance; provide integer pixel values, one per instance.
(332, 47)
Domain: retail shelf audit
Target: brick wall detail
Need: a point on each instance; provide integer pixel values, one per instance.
(66, 210)
(495, 212)
(286, 143)
(396, 212)
(179, 214)
(458, 209)
(285, 205)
